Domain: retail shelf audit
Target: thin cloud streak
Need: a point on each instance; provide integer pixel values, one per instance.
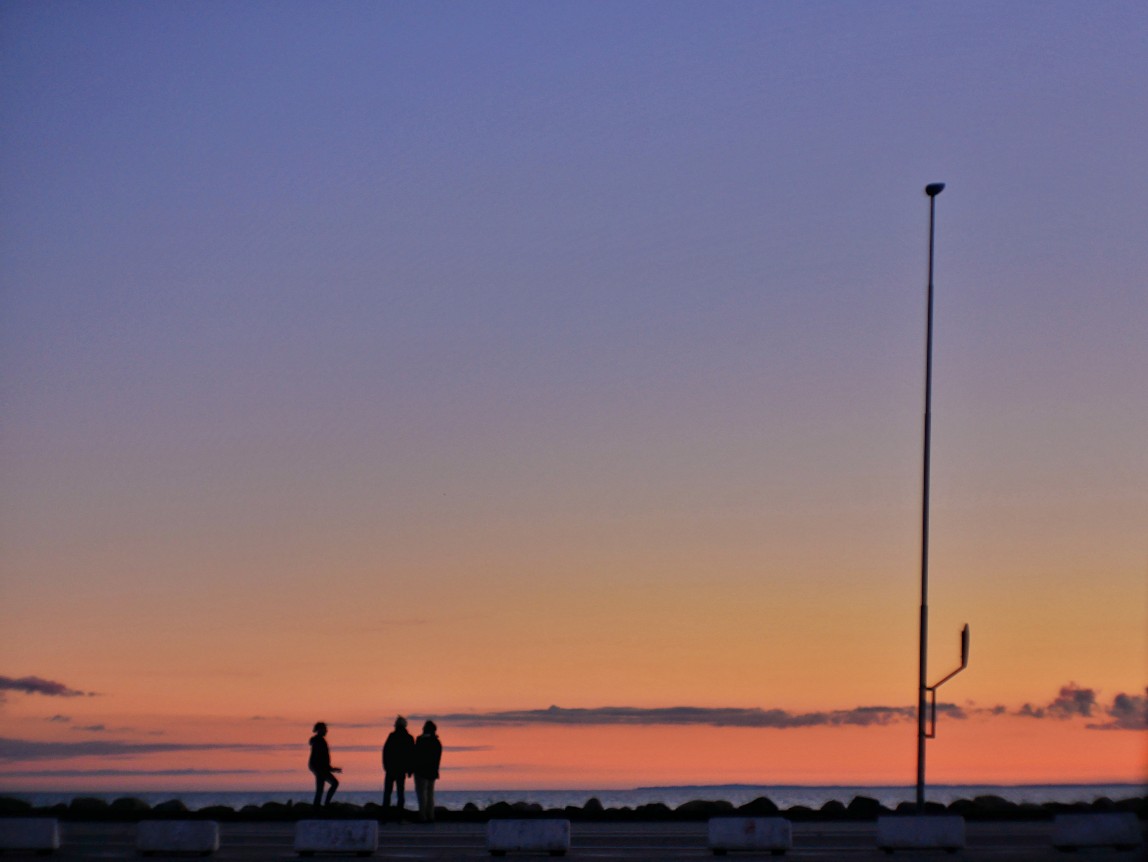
(136, 773)
(26, 750)
(1127, 712)
(19, 750)
(863, 716)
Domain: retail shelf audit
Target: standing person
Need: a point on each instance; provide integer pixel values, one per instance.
(428, 755)
(398, 763)
(320, 764)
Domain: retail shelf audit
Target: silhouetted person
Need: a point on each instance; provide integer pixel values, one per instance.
(398, 763)
(428, 755)
(320, 764)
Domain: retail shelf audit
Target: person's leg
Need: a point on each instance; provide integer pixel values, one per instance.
(420, 792)
(318, 790)
(388, 785)
(401, 789)
(334, 786)
(430, 800)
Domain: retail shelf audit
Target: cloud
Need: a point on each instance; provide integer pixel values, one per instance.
(1128, 712)
(136, 773)
(62, 719)
(862, 716)
(23, 750)
(1073, 701)
(91, 728)
(37, 685)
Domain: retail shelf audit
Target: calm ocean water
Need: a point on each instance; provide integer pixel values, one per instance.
(785, 796)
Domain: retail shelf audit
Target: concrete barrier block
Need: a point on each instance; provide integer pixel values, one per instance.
(41, 834)
(177, 836)
(921, 832)
(536, 836)
(1076, 831)
(774, 834)
(336, 836)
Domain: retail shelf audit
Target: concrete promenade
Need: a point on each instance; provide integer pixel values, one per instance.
(813, 842)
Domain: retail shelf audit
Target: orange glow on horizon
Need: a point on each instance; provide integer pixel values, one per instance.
(982, 750)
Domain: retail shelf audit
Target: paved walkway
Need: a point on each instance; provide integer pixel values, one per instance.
(813, 842)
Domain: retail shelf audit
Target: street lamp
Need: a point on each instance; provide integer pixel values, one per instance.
(925, 692)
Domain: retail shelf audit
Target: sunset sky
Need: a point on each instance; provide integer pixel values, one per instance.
(556, 371)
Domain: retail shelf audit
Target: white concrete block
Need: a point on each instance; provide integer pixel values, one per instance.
(921, 832)
(538, 836)
(1101, 829)
(336, 836)
(177, 836)
(41, 834)
(774, 834)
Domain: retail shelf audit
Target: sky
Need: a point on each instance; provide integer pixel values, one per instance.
(556, 371)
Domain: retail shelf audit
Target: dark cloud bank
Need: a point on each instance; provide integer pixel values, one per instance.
(1126, 712)
(139, 773)
(37, 685)
(862, 716)
(26, 750)
(12, 750)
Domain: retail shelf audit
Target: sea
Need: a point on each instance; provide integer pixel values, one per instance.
(784, 796)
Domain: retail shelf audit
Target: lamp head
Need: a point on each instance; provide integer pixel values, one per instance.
(934, 189)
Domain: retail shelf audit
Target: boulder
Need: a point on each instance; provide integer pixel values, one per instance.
(129, 808)
(760, 807)
(833, 810)
(864, 808)
(170, 808)
(84, 807)
(701, 809)
(10, 805)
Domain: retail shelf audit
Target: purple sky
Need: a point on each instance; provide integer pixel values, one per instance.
(393, 287)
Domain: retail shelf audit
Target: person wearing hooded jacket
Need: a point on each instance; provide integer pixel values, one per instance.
(428, 756)
(398, 763)
(320, 764)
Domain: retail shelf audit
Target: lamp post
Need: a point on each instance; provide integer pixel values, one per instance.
(932, 190)
(925, 833)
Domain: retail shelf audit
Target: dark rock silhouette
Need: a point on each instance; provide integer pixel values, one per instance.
(929, 808)
(982, 808)
(173, 807)
(833, 810)
(865, 808)
(699, 809)
(13, 807)
(653, 811)
(760, 807)
(130, 808)
(88, 806)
